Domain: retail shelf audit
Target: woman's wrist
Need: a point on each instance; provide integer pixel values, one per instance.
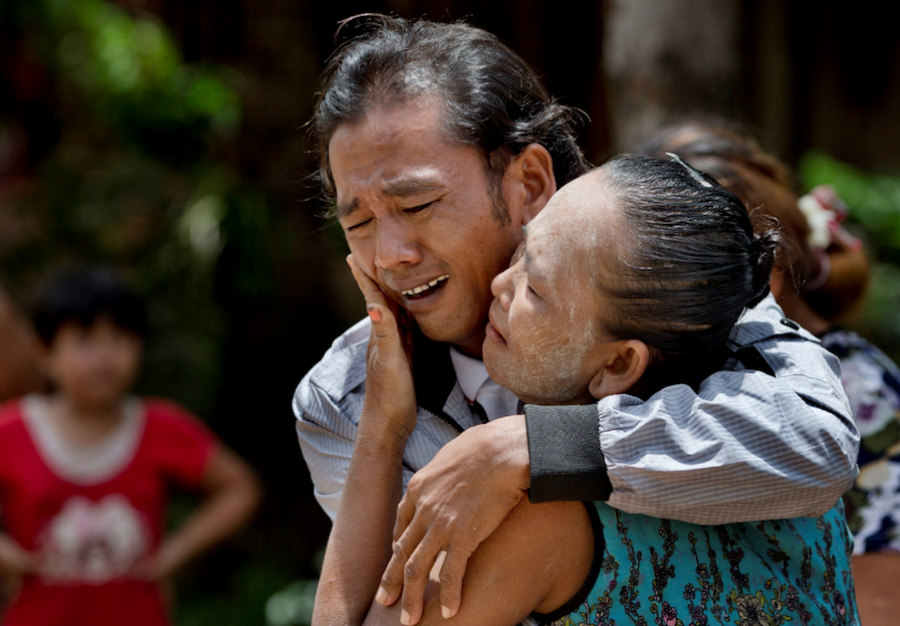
(509, 442)
(383, 432)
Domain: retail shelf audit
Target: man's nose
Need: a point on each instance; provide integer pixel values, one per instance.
(396, 245)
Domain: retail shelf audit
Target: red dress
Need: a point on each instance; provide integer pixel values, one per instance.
(91, 518)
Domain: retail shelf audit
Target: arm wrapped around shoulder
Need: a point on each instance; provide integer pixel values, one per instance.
(746, 446)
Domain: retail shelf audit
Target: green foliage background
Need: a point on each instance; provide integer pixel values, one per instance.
(136, 180)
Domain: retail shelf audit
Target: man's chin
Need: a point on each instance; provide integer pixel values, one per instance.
(440, 329)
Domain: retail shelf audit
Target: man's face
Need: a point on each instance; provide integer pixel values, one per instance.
(545, 331)
(419, 218)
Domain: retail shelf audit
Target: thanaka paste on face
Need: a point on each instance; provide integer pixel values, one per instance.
(565, 243)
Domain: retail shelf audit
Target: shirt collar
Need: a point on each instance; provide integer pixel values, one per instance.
(471, 373)
(766, 320)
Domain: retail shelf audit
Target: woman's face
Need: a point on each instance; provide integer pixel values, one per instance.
(546, 321)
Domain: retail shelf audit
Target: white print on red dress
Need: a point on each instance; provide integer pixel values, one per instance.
(93, 542)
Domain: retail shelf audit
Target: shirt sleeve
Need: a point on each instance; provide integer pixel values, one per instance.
(746, 446)
(327, 405)
(184, 444)
(566, 462)
(327, 437)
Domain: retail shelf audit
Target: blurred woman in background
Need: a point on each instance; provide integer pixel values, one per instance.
(19, 370)
(821, 274)
(19, 375)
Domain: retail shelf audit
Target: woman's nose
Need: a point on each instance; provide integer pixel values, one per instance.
(502, 288)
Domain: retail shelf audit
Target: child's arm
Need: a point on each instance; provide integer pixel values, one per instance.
(14, 559)
(232, 495)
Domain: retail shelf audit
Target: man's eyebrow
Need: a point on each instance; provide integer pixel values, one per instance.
(410, 186)
(342, 211)
(400, 188)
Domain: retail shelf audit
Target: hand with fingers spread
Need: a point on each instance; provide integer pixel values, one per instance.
(389, 383)
(452, 505)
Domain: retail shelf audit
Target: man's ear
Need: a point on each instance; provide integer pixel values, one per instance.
(532, 181)
(621, 366)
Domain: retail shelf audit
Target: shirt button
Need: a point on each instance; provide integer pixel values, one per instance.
(790, 323)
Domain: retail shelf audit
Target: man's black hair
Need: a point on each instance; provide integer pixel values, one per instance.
(688, 266)
(492, 100)
(83, 295)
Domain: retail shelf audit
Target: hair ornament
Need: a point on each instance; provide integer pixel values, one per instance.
(694, 173)
(819, 218)
(824, 211)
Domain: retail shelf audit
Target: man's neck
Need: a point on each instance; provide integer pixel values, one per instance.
(472, 347)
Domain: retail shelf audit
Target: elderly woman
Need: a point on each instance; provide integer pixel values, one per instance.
(628, 287)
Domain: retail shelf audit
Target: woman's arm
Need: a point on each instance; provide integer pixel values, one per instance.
(232, 496)
(536, 561)
(360, 543)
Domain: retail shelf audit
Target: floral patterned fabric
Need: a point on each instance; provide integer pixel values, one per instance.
(670, 573)
(872, 383)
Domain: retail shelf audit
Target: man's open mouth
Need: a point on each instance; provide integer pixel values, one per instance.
(425, 290)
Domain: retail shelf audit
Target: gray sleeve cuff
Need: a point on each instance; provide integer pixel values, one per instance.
(566, 460)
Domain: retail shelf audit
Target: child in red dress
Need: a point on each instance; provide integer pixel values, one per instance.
(85, 472)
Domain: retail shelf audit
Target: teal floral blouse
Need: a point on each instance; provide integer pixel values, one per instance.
(671, 573)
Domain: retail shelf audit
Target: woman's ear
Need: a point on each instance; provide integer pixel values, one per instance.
(621, 366)
(777, 282)
(531, 173)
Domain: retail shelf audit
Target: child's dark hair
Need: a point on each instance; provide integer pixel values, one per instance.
(82, 295)
(691, 266)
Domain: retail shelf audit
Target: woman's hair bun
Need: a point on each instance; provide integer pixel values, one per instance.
(766, 239)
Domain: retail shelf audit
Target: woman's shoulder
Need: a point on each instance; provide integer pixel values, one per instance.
(844, 342)
(860, 357)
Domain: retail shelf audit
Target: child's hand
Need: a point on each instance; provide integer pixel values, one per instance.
(16, 560)
(158, 566)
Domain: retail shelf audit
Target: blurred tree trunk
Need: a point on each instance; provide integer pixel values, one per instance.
(669, 60)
